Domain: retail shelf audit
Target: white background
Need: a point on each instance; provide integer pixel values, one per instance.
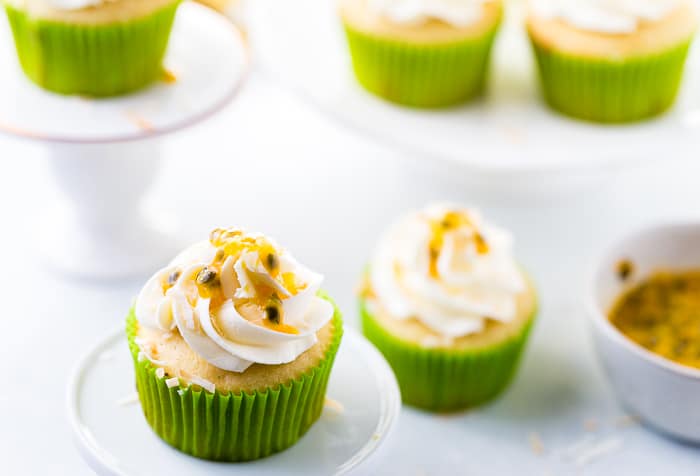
(272, 163)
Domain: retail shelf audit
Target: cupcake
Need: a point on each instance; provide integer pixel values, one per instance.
(91, 47)
(233, 344)
(448, 306)
(611, 60)
(422, 53)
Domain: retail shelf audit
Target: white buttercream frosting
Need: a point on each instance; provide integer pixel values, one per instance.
(460, 13)
(449, 269)
(237, 299)
(69, 5)
(605, 16)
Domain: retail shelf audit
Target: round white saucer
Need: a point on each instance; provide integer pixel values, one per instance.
(510, 133)
(114, 438)
(207, 57)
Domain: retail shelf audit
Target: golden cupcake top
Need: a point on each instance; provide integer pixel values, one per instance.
(615, 29)
(425, 21)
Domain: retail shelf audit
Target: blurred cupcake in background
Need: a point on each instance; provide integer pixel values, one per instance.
(611, 60)
(446, 303)
(233, 345)
(91, 47)
(422, 53)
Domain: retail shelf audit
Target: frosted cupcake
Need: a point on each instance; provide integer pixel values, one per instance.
(446, 303)
(233, 345)
(91, 47)
(423, 53)
(611, 60)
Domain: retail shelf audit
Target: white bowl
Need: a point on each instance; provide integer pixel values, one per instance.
(663, 394)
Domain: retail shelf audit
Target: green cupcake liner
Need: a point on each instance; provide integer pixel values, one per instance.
(92, 60)
(232, 426)
(442, 379)
(421, 75)
(611, 91)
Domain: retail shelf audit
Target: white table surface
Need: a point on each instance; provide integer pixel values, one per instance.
(272, 163)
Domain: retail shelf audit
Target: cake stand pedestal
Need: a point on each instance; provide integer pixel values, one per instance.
(105, 153)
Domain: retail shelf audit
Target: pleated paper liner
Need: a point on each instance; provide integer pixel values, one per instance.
(611, 91)
(446, 380)
(421, 75)
(92, 60)
(232, 426)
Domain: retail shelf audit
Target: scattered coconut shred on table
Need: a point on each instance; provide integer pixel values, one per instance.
(536, 444)
(128, 400)
(334, 405)
(597, 450)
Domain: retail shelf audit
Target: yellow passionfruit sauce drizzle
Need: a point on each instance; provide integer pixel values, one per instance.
(266, 308)
(449, 222)
(662, 314)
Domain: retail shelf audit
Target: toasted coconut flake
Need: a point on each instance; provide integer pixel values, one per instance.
(145, 355)
(172, 382)
(334, 405)
(204, 383)
(573, 450)
(590, 425)
(536, 443)
(627, 421)
(598, 450)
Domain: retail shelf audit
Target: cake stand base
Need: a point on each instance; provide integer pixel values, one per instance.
(102, 229)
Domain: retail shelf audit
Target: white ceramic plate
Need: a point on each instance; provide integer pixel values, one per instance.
(204, 84)
(116, 440)
(509, 132)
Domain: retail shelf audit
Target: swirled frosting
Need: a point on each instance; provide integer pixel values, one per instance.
(446, 267)
(68, 5)
(604, 16)
(236, 299)
(460, 13)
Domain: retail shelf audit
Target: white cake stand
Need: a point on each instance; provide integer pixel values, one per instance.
(510, 136)
(104, 153)
(114, 438)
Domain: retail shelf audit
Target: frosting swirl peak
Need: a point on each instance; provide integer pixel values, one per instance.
(237, 299)
(460, 13)
(447, 268)
(605, 16)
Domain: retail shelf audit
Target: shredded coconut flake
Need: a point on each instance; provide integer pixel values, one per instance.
(160, 372)
(334, 405)
(626, 421)
(204, 383)
(598, 450)
(145, 355)
(181, 392)
(590, 425)
(128, 400)
(573, 450)
(172, 382)
(536, 443)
